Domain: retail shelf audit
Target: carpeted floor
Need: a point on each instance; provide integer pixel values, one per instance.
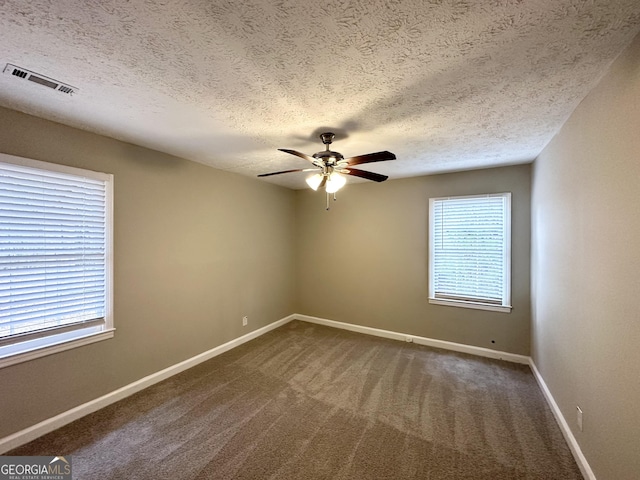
(311, 402)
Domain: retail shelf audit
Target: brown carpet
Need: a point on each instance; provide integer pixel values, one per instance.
(310, 402)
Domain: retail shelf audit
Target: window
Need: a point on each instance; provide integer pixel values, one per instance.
(55, 258)
(470, 251)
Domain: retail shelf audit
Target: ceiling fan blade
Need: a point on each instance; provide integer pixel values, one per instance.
(298, 154)
(370, 157)
(283, 171)
(323, 182)
(376, 177)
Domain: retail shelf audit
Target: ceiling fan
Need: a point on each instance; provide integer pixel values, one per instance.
(329, 166)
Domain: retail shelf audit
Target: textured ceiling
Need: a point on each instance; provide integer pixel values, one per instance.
(445, 85)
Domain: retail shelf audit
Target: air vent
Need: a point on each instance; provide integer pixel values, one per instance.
(39, 79)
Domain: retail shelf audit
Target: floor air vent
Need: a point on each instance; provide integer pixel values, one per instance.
(39, 79)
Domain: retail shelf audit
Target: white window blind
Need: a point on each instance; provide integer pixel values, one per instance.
(54, 270)
(470, 249)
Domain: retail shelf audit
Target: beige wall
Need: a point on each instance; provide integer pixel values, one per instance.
(365, 260)
(586, 270)
(195, 250)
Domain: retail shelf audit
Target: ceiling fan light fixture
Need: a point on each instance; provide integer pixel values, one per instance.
(314, 181)
(331, 165)
(335, 182)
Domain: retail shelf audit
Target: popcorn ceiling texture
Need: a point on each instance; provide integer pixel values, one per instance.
(445, 85)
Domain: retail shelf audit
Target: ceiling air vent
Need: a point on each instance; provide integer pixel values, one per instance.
(34, 77)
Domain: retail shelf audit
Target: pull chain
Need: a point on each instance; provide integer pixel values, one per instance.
(334, 199)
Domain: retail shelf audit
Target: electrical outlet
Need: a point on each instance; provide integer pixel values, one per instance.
(245, 321)
(579, 417)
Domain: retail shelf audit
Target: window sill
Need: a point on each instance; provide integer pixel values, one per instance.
(474, 305)
(14, 354)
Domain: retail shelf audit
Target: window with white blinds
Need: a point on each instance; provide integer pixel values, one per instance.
(55, 261)
(470, 251)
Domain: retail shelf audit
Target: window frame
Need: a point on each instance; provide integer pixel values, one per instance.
(506, 306)
(59, 339)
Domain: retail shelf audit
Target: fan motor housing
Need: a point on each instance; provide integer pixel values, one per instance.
(329, 157)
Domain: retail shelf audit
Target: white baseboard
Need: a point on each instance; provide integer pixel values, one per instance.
(581, 460)
(430, 342)
(51, 424)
